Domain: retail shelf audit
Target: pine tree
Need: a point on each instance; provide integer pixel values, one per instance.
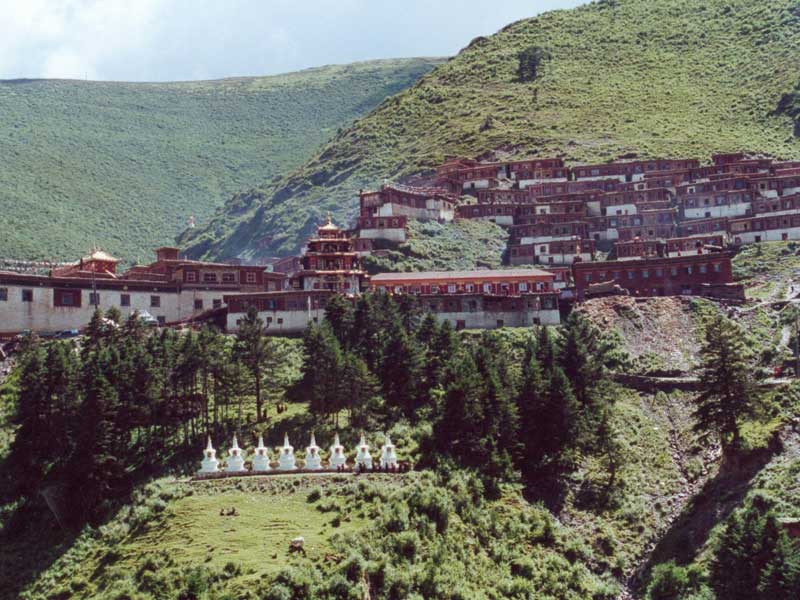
(94, 472)
(253, 350)
(728, 380)
(321, 380)
(401, 370)
(340, 316)
(29, 455)
(754, 559)
(359, 391)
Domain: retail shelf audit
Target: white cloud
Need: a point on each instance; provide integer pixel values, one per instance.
(157, 40)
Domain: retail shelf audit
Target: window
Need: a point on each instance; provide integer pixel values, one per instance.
(523, 286)
(717, 268)
(703, 269)
(209, 278)
(162, 320)
(155, 301)
(280, 321)
(689, 270)
(588, 277)
(94, 299)
(250, 277)
(673, 271)
(3, 294)
(659, 272)
(469, 287)
(487, 287)
(216, 303)
(198, 304)
(645, 274)
(451, 288)
(27, 295)
(434, 289)
(229, 277)
(191, 276)
(124, 299)
(630, 274)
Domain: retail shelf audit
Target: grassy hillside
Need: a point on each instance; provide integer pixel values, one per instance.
(124, 165)
(625, 77)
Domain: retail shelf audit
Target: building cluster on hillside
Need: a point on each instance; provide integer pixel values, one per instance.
(664, 227)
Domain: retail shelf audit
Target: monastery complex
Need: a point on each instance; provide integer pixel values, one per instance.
(641, 227)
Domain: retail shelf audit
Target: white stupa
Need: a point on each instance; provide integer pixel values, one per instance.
(286, 458)
(210, 463)
(235, 462)
(363, 457)
(388, 455)
(313, 458)
(338, 458)
(261, 458)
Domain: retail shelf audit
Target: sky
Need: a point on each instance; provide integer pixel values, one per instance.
(178, 40)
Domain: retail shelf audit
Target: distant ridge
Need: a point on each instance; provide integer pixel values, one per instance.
(124, 164)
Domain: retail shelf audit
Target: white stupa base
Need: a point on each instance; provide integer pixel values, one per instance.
(286, 464)
(235, 465)
(364, 461)
(313, 463)
(261, 463)
(209, 466)
(388, 463)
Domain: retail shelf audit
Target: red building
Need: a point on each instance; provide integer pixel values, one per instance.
(330, 262)
(506, 282)
(639, 248)
(694, 275)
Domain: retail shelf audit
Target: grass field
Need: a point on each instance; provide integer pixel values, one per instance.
(124, 165)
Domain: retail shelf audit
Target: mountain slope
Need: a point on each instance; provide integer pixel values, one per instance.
(666, 78)
(124, 165)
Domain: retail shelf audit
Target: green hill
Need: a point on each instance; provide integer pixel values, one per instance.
(124, 165)
(624, 77)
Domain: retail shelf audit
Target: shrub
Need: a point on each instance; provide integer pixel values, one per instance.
(406, 544)
(314, 495)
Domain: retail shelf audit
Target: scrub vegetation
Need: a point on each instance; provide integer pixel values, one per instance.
(124, 165)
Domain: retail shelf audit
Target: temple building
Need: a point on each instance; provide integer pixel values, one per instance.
(330, 262)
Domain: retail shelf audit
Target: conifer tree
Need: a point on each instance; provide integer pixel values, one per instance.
(28, 450)
(359, 391)
(94, 471)
(728, 380)
(339, 314)
(253, 350)
(754, 559)
(320, 383)
(401, 370)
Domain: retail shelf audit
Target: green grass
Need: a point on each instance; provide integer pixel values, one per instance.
(433, 246)
(672, 78)
(123, 165)
(767, 269)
